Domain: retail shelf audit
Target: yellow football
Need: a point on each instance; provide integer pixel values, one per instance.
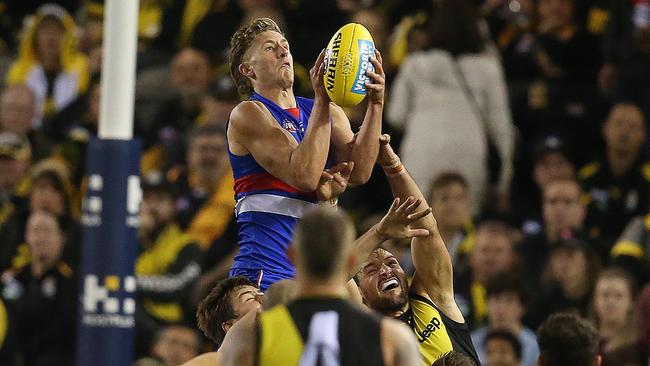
(346, 62)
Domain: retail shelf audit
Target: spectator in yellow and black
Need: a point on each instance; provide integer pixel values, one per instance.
(41, 296)
(632, 249)
(15, 183)
(618, 183)
(190, 78)
(205, 204)
(49, 63)
(553, 71)
(625, 74)
(17, 112)
(204, 201)
(493, 253)
(550, 160)
(51, 191)
(13, 14)
(450, 203)
(73, 127)
(168, 263)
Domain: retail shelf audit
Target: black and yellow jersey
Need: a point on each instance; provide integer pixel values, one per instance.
(309, 331)
(435, 332)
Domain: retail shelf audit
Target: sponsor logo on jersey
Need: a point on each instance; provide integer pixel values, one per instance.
(431, 328)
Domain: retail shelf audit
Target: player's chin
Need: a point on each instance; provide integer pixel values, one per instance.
(393, 296)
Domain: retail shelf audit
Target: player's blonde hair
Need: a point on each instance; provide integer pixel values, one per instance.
(239, 44)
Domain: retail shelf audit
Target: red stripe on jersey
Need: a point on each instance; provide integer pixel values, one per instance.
(261, 182)
(294, 112)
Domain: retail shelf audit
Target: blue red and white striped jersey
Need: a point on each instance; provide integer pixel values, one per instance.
(267, 208)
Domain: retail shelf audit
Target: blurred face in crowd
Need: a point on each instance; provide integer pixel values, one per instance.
(505, 311)
(552, 166)
(177, 345)
(499, 352)
(569, 266)
(613, 300)
(156, 209)
(11, 172)
(624, 131)
(44, 238)
(190, 72)
(557, 12)
(492, 254)
(383, 282)
(562, 208)
(206, 155)
(450, 205)
(49, 39)
(17, 109)
(45, 196)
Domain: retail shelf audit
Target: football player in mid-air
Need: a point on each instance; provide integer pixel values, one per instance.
(280, 144)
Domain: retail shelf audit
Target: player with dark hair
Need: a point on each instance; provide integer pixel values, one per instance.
(428, 304)
(567, 340)
(279, 145)
(228, 301)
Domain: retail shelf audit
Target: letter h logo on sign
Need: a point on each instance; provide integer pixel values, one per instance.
(94, 295)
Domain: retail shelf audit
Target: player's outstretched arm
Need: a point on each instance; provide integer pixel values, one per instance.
(363, 147)
(253, 129)
(433, 270)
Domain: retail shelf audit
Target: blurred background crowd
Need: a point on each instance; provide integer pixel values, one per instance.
(524, 121)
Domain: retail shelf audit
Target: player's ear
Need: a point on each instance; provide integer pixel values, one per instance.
(226, 326)
(246, 70)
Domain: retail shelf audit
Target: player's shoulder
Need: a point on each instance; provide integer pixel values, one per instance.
(246, 112)
(246, 109)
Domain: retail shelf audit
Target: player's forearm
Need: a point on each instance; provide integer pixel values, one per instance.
(308, 160)
(365, 148)
(430, 256)
(402, 185)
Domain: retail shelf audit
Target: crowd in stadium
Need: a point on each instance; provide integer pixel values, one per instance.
(523, 122)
